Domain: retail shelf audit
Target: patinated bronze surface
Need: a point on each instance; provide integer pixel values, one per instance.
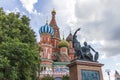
(90, 75)
(83, 53)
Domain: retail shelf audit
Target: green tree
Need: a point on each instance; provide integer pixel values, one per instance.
(4, 65)
(19, 58)
(48, 77)
(65, 77)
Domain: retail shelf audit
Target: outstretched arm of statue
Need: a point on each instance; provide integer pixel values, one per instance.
(76, 32)
(92, 49)
(96, 54)
(74, 37)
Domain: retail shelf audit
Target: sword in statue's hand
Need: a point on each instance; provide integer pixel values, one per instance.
(78, 29)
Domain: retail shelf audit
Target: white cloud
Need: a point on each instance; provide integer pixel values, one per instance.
(15, 10)
(29, 6)
(100, 21)
(65, 15)
(118, 64)
(36, 13)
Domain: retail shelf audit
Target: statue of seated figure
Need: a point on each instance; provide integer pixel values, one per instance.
(83, 53)
(87, 54)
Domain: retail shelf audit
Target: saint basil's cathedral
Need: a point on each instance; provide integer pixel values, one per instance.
(56, 52)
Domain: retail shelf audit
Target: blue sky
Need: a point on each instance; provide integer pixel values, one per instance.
(98, 19)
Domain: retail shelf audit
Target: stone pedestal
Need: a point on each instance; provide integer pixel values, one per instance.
(85, 70)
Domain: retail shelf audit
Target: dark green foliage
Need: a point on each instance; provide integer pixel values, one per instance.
(48, 77)
(66, 77)
(19, 58)
(4, 65)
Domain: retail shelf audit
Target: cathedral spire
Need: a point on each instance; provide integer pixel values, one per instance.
(47, 20)
(53, 21)
(63, 35)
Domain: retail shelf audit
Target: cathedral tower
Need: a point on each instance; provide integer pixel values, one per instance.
(46, 33)
(56, 36)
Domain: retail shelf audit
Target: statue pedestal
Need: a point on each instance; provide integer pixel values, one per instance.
(85, 70)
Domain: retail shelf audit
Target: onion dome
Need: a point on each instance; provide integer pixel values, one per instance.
(53, 11)
(46, 29)
(63, 43)
(70, 37)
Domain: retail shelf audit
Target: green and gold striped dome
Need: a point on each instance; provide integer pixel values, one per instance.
(63, 43)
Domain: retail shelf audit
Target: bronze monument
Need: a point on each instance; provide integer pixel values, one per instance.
(83, 53)
(85, 66)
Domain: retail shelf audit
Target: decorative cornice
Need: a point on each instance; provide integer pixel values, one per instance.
(86, 63)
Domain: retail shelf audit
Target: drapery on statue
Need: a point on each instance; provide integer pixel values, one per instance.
(83, 53)
(76, 45)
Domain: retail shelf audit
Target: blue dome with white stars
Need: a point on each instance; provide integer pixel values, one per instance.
(46, 29)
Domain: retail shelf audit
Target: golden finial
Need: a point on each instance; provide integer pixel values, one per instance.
(53, 11)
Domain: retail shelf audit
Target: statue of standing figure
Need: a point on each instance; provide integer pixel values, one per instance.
(76, 45)
(83, 53)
